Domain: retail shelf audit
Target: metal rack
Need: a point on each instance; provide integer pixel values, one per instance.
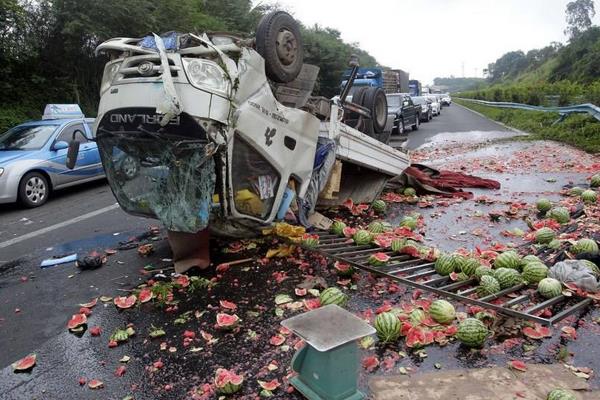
(518, 301)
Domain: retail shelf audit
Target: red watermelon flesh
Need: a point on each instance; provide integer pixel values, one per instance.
(228, 305)
(145, 295)
(537, 332)
(125, 302)
(76, 321)
(227, 321)
(271, 385)
(223, 377)
(25, 363)
(91, 304)
(349, 232)
(183, 281)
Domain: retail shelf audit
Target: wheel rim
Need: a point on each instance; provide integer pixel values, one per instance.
(35, 190)
(287, 47)
(380, 111)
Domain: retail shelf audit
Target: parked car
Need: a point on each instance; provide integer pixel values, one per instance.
(436, 107)
(33, 154)
(446, 99)
(426, 112)
(405, 112)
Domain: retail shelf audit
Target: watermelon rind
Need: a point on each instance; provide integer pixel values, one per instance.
(417, 316)
(379, 206)
(469, 266)
(559, 214)
(442, 311)
(337, 228)
(534, 272)
(575, 191)
(388, 327)
(507, 277)
(409, 192)
(482, 270)
(472, 332)
(488, 285)
(544, 235)
(549, 288)
(543, 205)
(595, 181)
(585, 245)
(589, 196)
(398, 244)
(408, 222)
(376, 227)
(362, 237)
(333, 295)
(448, 263)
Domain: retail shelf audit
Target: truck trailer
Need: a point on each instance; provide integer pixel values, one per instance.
(390, 80)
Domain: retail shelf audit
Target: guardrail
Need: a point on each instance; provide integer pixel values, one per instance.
(588, 108)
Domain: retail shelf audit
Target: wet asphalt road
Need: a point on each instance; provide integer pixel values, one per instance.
(35, 303)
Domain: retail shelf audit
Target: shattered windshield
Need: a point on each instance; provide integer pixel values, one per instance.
(26, 137)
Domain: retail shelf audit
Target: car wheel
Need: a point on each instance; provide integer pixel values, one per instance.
(415, 127)
(279, 42)
(33, 190)
(401, 127)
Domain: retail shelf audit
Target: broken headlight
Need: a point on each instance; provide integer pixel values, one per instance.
(110, 71)
(205, 74)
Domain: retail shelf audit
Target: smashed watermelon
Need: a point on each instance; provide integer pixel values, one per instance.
(123, 302)
(227, 382)
(145, 295)
(25, 363)
(76, 321)
(227, 321)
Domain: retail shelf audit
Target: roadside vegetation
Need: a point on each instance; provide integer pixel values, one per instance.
(579, 130)
(47, 46)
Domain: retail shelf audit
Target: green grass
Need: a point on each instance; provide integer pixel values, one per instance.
(579, 130)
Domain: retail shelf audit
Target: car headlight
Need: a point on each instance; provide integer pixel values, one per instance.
(424, 108)
(1, 171)
(110, 71)
(205, 74)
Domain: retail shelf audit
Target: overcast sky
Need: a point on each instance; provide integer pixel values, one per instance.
(431, 38)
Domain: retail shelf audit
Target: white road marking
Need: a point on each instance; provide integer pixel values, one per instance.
(51, 228)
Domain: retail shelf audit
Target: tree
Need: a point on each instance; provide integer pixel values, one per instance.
(579, 16)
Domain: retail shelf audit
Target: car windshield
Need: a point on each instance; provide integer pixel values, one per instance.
(394, 101)
(26, 137)
(418, 100)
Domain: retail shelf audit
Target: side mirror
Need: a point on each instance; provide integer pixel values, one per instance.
(60, 145)
(405, 103)
(72, 154)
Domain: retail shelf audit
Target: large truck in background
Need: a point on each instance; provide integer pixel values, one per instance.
(390, 80)
(414, 88)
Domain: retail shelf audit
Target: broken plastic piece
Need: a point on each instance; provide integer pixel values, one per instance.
(51, 262)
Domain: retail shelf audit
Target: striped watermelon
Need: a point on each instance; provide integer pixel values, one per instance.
(310, 241)
(469, 266)
(398, 244)
(575, 191)
(376, 227)
(333, 295)
(409, 222)
(388, 327)
(483, 270)
(337, 228)
(507, 277)
(379, 206)
(378, 259)
(561, 394)
(534, 272)
(549, 288)
(555, 244)
(417, 316)
(529, 258)
(442, 311)
(559, 214)
(508, 259)
(543, 205)
(409, 192)
(585, 246)
(589, 196)
(595, 181)
(544, 235)
(472, 332)
(488, 285)
(461, 276)
(362, 237)
(447, 263)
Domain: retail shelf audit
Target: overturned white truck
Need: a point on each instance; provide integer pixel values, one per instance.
(218, 131)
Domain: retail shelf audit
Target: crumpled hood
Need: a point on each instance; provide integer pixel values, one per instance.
(8, 156)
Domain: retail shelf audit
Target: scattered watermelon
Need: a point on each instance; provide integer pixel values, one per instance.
(508, 259)
(387, 326)
(448, 263)
(589, 196)
(333, 295)
(549, 288)
(376, 227)
(343, 269)
(227, 382)
(227, 321)
(397, 244)
(559, 214)
(543, 205)
(409, 192)
(483, 270)
(507, 277)
(95, 384)
(409, 222)
(472, 332)
(469, 266)
(378, 259)
(488, 285)
(123, 302)
(544, 235)
(76, 321)
(91, 304)
(442, 311)
(534, 272)
(585, 246)
(379, 206)
(25, 363)
(349, 232)
(561, 394)
(595, 181)
(337, 228)
(362, 237)
(145, 295)
(575, 191)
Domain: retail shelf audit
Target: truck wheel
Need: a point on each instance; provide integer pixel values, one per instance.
(279, 42)
(353, 119)
(376, 102)
(33, 190)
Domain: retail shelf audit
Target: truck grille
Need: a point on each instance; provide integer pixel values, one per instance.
(145, 66)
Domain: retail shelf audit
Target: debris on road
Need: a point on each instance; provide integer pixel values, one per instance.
(51, 262)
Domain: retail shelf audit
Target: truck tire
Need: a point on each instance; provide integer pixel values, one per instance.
(375, 100)
(353, 119)
(279, 42)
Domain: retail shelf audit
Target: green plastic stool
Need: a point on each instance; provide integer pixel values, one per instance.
(328, 365)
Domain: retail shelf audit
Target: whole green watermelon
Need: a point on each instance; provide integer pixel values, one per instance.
(508, 259)
(589, 196)
(543, 205)
(559, 214)
(388, 327)
(544, 235)
(595, 181)
(549, 288)
(575, 191)
(482, 271)
(379, 206)
(561, 394)
(333, 295)
(534, 272)
(446, 264)
(409, 192)
(442, 311)
(469, 266)
(507, 277)
(362, 237)
(376, 227)
(337, 228)
(585, 245)
(472, 332)
(488, 285)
